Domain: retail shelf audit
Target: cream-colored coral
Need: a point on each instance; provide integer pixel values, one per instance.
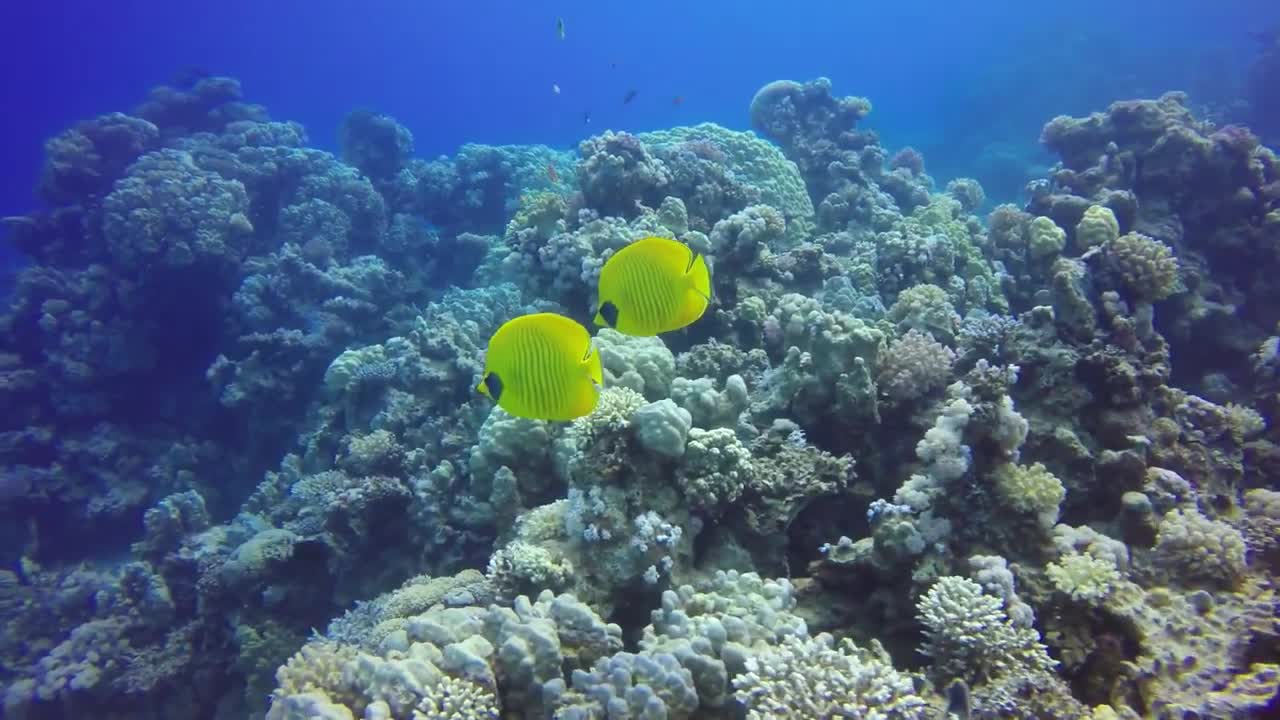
(612, 413)
(1197, 550)
(642, 364)
(1243, 421)
(453, 698)
(317, 667)
(818, 678)
(756, 162)
(1146, 265)
(527, 567)
(1085, 578)
(1262, 524)
(424, 592)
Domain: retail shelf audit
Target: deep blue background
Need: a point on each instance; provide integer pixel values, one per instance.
(947, 76)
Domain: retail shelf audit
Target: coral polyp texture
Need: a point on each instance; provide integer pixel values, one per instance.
(913, 460)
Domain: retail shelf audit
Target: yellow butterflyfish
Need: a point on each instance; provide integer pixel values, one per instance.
(654, 285)
(544, 367)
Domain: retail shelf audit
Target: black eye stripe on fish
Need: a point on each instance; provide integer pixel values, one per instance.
(536, 361)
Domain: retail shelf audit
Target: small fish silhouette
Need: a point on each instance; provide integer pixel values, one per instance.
(552, 175)
(631, 95)
(586, 117)
(560, 28)
(678, 100)
(555, 89)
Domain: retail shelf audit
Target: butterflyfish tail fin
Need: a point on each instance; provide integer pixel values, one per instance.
(698, 275)
(591, 360)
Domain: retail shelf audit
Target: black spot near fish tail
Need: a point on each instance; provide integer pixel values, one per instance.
(493, 384)
(609, 312)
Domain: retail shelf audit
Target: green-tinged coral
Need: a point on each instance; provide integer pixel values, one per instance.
(817, 678)
(1030, 489)
(1243, 421)
(542, 211)
(1045, 239)
(925, 308)
(1147, 266)
(1098, 227)
(1084, 578)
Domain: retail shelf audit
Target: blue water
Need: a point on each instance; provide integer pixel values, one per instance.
(950, 78)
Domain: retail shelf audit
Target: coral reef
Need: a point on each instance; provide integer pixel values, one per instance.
(911, 462)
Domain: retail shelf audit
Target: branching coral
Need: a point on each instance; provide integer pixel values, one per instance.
(817, 678)
(970, 637)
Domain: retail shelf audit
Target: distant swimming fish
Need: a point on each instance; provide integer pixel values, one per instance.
(552, 175)
(586, 117)
(560, 28)
(678, 100)
(631, 95)
(555, 89)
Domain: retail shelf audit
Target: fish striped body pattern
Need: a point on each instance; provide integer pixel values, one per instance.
(652, 286)
(545, 368)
